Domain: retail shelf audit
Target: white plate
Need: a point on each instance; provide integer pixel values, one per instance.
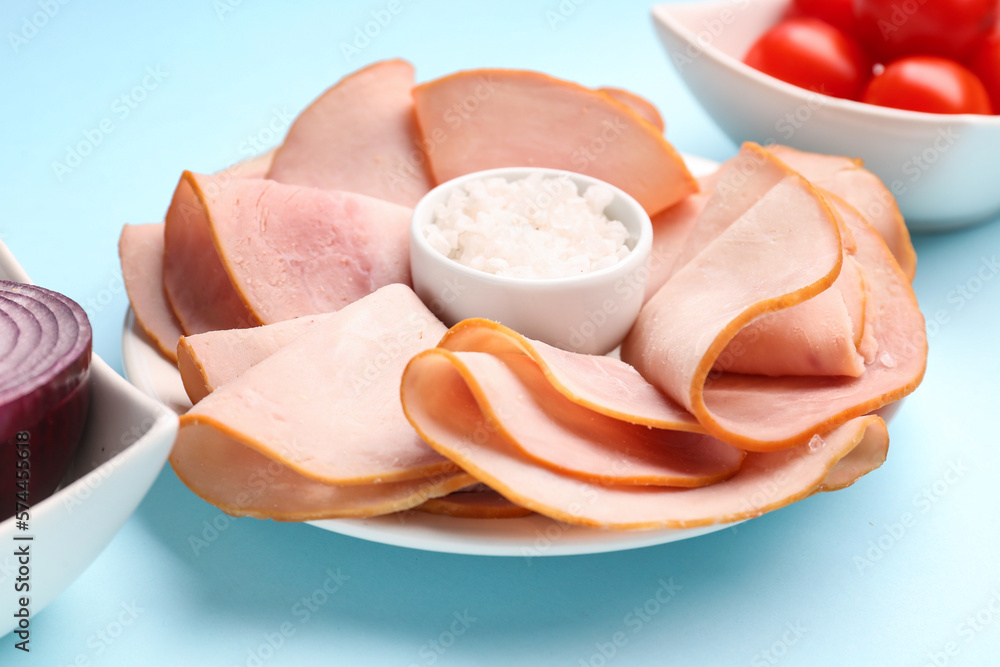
(527, 536)
(124, 446)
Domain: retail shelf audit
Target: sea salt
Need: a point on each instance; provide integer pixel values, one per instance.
(535, 227)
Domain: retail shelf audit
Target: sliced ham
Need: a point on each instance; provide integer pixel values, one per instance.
(766, 481)
(847, 178)
(784, 249)
(327, 404)
(477, 501)
(243, 482)
(213, 358)
(359, 136)
(519, 402)
(637, 103)
(140, 249)
(488, 118)
(254, 251)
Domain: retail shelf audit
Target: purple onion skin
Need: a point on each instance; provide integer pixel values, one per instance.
(47, 408)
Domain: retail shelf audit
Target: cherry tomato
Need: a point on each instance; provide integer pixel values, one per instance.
(812, 54)
(986, 64)
(930, 84)
(950, 28)
(838, 13)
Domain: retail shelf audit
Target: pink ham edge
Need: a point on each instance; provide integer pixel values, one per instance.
(603, 384)
(524, 118)
(517, 399)
(450, 420)
(212, 359)
(243, 482)
(863, 190)
(359, 136)
(761, 413)
(284, 251)
(351, 364)
(637, 103)
(140, 249)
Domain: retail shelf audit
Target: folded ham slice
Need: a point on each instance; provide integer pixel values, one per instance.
(848, 179)
(140, 249)
(359, 136)
(211, 359)
(452, 419)
(783, 250)
(488, 118)
(349, 365)
(252, 251)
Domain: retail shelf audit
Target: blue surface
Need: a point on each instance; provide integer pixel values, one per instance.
(903, 568)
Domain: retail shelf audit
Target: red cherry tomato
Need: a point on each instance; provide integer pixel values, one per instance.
(986, 64)
(930, 84)
(812, 54)
(838, 13)
(950, 28)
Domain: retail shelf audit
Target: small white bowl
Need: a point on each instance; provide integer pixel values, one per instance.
(590, 313)
(124, 446)
(941, 168)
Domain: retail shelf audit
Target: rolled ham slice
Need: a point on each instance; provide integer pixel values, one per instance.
(326, 406)
(488, 118)
(783, 250)
(140, 249)
(848, 179)
(766, 481)
(213, 358)
(359, 136)
(548, 428)
(252, 251)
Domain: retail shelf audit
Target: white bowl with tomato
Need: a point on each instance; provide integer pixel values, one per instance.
(912, 87)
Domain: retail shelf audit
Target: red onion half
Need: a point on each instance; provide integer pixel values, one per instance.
(45, 349)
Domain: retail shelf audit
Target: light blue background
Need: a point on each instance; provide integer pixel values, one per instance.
(833, 580)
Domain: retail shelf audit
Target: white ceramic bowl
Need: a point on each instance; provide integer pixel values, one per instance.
(125, 444)
(590, 313)
(942, 168)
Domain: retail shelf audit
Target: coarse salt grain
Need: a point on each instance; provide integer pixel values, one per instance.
(535, 227)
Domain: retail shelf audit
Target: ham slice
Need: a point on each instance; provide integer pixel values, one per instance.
(140, 249)
(637, 103)
(488, 118)
(349, 364)
(847, 178)
(359, 136)
(785, 249)
(766, 481)
(213, 358)
(474, 502)
(551, 430)
(257, 252)
(243, 482)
